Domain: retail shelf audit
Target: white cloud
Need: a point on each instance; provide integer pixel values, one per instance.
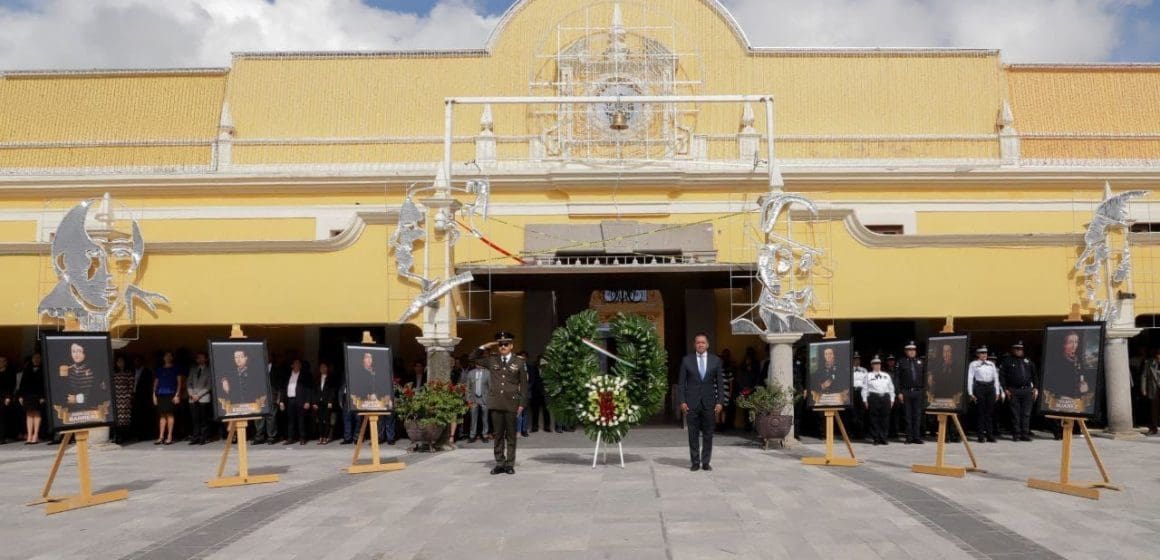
(180, 33)
(1025, 30)
(69, 34)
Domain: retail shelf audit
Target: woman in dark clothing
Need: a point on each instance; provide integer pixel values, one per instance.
(31, 397)
(168, 385)
(326, 405)
(123, 380)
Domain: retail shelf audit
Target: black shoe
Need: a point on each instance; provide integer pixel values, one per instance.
(695, 467)
(981, 439)
(1057, 437)
(884, 442)
(991, 439)
(390, 442)
(258, 441)
(193, 442)
(471, 440)
(919, 441)
(509, 470)
(497, 470)
(909, 441)
(525, 434)
(876, 443)
(272, 442)
(1025, 438)
(536, 430)
(706, 467)
(347, 442)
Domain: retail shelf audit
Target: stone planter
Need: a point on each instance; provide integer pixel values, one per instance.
(771, 426)
(423, 435)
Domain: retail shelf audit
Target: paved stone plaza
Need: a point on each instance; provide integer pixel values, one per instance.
(755, 504)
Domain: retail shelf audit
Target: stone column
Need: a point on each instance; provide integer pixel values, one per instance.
(439, 323)
(781, 370)
(440, 356)
(1117, 378)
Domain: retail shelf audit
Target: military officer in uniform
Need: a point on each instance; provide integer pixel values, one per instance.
(1017, 375)
(983, 387)
(878, 394)
(506, 398)
(911, 373)
(897, 415)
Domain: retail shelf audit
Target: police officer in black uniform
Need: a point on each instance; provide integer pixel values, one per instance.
(911, 373)
(1017, 375)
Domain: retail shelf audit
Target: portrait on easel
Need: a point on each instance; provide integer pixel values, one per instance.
(241, 383)
(78, 380)
(946, 373)
(830, 375)
(1072, 369)
(370, 383)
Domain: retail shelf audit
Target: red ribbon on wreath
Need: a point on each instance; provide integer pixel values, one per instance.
(607, 406)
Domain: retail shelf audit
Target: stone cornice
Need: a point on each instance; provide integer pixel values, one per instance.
(346, 239)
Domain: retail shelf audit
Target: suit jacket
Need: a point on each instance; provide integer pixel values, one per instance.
(697, 393)
(482, 387)
(328, 394)
(304, 389)
(509, 385)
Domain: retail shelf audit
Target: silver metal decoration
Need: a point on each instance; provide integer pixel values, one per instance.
(411, 230)
(781, 310)
(87, 261)
(1094, 264)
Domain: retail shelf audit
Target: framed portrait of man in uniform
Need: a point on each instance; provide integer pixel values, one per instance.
(1072, 369)
(241, 382)
(369, 378)
(829, 376)
(946, 373)
(78, 380)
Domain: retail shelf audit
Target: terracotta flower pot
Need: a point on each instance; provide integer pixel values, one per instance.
(773, 426)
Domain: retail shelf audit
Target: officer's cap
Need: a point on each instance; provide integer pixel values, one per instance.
(981, 350)
(875, 360)
(1018, 344)
(857, 356)
(504, 336)
(891, 357)
(910, 346)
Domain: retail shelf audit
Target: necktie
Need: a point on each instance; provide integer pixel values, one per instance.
(477, 387)
(701, 365)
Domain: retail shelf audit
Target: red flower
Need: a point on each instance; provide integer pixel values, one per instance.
(746, 392)
(607, 406)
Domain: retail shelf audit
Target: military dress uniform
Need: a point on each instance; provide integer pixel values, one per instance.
(1017, 375)
(507, 394)
(878, 392)
(983, 386)
(911, 374)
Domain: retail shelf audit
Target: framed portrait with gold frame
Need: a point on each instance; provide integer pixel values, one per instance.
(78, 380)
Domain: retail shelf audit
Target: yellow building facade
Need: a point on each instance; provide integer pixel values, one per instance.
(948, 183)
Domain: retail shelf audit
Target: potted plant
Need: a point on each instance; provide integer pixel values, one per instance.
(426, 412)
(767, 408)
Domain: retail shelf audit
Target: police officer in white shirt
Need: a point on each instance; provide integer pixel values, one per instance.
(983, 387)
(878, 393)
(858, 413)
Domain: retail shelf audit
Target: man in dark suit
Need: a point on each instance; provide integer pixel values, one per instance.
(702, 394)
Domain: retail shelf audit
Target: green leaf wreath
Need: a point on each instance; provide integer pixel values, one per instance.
(570, 367)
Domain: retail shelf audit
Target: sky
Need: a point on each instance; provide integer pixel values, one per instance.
(82, 34)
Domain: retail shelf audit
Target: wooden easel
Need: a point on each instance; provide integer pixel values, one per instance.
(1089, 490)
(371, 420)
(830, 460)
(86, 498)
(939, 467)
(237, 432)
